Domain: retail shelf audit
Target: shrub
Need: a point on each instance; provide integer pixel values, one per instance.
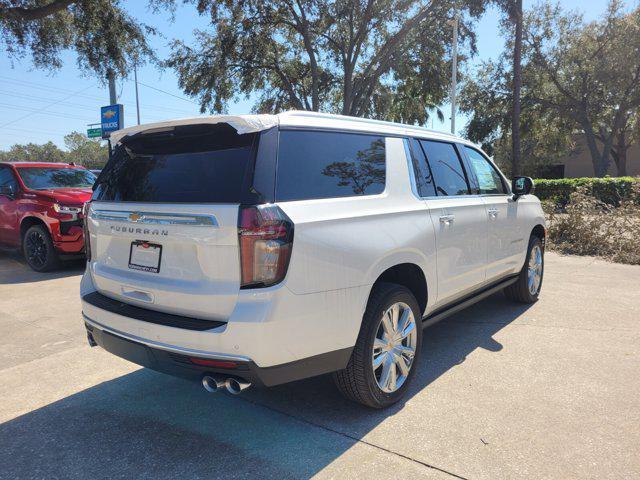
(593, 227)
(610, 191)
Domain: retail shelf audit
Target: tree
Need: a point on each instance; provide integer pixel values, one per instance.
(546, 138)
(577, 78)
(628, 135)
(362, 58)
(32, 152)
(86, 151)
(588, 73)
(102, 34)
(513, 10)
(81, 150)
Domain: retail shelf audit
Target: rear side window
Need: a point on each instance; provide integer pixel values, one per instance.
(196, 164)
(328, 164)
(489, 180)
(446, 167)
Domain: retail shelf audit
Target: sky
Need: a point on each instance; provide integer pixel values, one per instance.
(39, 106)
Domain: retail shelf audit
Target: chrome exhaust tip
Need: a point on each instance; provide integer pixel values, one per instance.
(212, 384)
(235, 386)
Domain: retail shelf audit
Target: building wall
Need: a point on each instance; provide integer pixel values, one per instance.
(579, 164)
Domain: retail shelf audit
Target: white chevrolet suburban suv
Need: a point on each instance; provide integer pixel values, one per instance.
(263, 249)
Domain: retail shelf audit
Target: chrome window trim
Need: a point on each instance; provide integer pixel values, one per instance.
(133, 216)
(445, 197)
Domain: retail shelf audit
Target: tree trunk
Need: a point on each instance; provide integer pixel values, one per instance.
(347, 89)
(620, 155)
(599, 160)
(517, 86)
(622, 163)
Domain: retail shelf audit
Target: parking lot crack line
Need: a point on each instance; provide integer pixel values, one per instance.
(558, 327)
(351, 437)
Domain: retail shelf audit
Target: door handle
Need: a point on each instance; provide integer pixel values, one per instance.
(447, 219)
(493, 212)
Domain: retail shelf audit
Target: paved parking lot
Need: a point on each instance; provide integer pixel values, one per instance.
(503, 391)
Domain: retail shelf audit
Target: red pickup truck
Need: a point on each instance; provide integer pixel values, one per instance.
(41, 210)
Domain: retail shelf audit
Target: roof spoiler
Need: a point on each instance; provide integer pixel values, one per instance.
(242, 123)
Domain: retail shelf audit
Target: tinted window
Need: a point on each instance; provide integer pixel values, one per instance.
(489, 181)
(424, 180)
(446, 168)
(46, 178)
(204, 164)
(327, 164)
(7, 178)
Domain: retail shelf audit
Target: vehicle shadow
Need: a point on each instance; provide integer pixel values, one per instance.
(149, 425)
(14, 269)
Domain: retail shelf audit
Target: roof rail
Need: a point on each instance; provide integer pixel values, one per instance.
(307, 113)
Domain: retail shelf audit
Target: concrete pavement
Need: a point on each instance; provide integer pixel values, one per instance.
(502, 391)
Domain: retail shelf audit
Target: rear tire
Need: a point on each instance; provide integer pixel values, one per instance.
(383, 361)
(38, 249)
(527, 288)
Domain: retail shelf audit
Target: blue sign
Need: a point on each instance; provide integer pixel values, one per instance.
(111, 119)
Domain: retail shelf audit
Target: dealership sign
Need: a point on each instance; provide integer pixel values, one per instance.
(94, 132)
(111, 119)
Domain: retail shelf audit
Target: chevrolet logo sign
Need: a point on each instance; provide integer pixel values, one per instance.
(135, 217)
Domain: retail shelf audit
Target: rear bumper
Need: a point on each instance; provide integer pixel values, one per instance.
(177, 362)
(270, 327)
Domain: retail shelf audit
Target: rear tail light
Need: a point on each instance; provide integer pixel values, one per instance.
(85, 230)
(265, 236)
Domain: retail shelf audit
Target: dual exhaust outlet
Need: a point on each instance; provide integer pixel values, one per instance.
(213, 383)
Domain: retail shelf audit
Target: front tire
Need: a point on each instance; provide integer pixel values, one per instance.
(384, 358)
(527, 288)
(38, 249)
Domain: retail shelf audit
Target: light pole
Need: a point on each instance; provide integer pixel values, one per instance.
(454, 70)
(111, 77)
(135, 77)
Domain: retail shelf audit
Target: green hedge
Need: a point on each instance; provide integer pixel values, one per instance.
(609, 190)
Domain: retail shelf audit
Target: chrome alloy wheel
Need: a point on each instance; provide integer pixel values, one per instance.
(394, 347)
(534, 274)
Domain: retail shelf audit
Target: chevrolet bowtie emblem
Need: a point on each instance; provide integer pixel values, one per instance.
(134, 217)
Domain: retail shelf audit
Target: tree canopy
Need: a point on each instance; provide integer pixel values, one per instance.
(578, 78)
(33, 152)
(81, 150)
(91, 153)
(546, 137)
(588, 72)
(382, 59)
(101, 32)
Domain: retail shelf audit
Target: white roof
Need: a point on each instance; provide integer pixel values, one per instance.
(255, 123)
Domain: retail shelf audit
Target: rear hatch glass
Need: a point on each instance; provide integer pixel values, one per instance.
(193, 164)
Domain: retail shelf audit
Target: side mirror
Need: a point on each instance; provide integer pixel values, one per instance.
(521, 186)
(7, 191)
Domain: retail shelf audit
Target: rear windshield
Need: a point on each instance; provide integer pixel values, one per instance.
(48, 178)
(195, 164)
